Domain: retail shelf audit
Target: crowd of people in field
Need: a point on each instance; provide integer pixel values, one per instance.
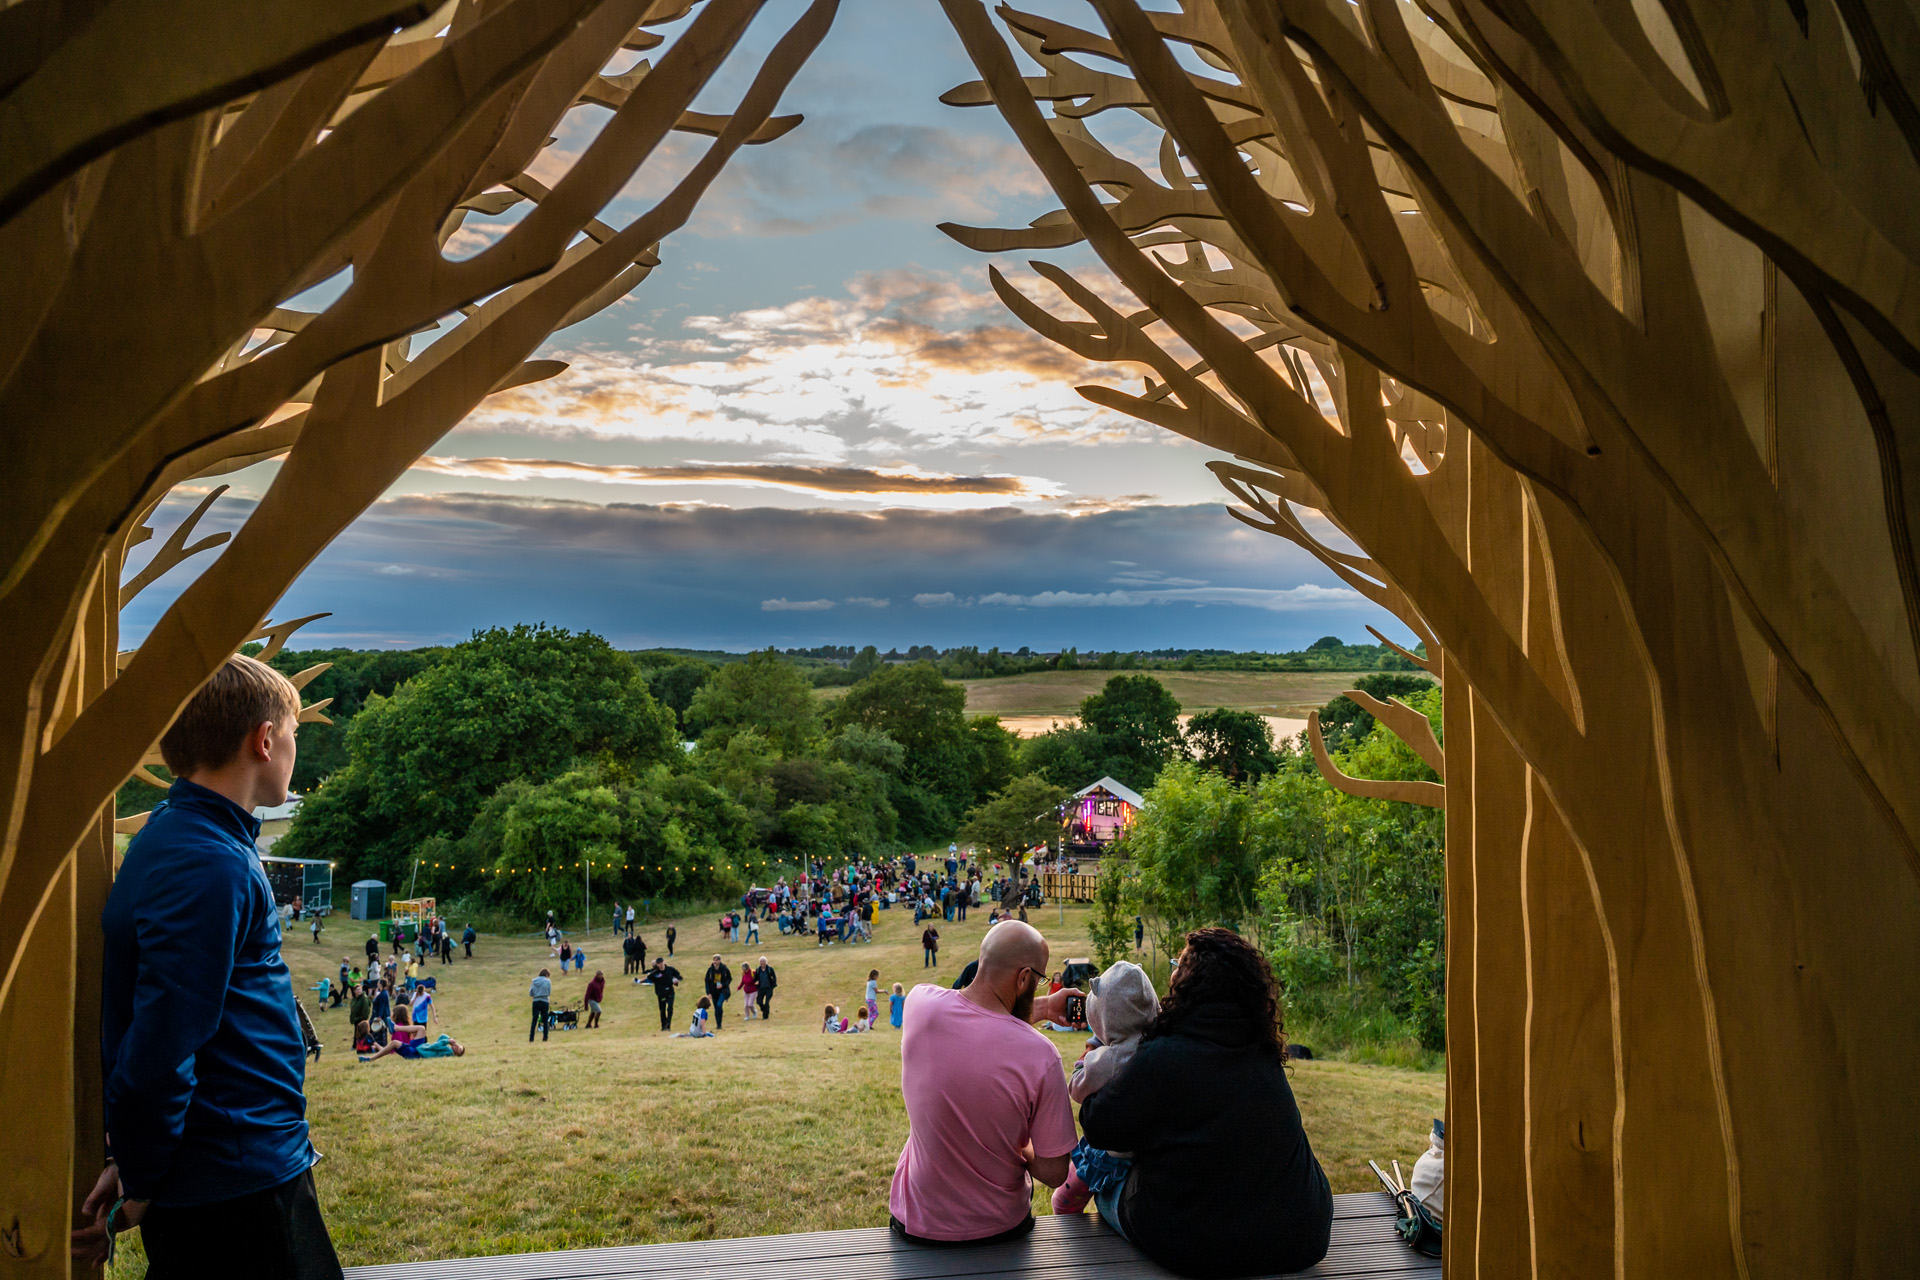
(1189, 1144)
(390, 1002)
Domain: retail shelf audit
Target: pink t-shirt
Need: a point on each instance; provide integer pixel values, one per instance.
(979, 1085)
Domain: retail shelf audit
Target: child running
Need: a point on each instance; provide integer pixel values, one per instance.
(1119, 1011)
(873, 996)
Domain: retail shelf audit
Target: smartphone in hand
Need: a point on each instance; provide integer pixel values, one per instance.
(1076, 1008)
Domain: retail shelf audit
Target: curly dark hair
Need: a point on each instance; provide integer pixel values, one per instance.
(1221, 967)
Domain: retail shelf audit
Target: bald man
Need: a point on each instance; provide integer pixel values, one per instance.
(986, 1100)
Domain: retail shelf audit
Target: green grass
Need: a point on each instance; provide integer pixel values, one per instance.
(625, 1136)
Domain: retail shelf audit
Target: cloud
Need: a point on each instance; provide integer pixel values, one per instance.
(819, 178)
(902, 361)
(1292, 599)
(829, 482)
(745, 577)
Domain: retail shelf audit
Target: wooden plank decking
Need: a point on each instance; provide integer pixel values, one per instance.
(1059, 1249)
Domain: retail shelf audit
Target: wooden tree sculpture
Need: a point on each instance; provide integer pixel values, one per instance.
(1596, 328)
(173, 177)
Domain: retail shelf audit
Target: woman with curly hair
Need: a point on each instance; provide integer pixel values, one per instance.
(1224, 1182)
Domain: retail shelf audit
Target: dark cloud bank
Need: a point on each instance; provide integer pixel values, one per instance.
(419, 570)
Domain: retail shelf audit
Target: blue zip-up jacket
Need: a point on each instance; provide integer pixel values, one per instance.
(204, 1062)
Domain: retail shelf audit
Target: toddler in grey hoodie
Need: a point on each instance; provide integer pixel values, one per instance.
(1120, 1008)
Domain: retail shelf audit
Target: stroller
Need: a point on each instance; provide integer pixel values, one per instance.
(565, 1018)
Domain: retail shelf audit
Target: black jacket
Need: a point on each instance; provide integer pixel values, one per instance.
(719, 981)
(1224, 1182)
(766, 979)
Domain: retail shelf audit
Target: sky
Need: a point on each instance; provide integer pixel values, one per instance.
(814, 423)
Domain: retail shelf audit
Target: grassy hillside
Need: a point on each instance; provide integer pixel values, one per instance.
(625, 1136)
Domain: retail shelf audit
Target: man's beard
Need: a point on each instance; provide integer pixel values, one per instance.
(1022, 1007)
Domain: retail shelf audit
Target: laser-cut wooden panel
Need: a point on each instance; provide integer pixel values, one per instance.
(1622, 356)
(159, 213)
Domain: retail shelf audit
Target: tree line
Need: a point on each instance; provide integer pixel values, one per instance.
(530, 765)
(1346, 895)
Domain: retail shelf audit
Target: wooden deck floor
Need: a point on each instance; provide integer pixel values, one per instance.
(1059, 1249)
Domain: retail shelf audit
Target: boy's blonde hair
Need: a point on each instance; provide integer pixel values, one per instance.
(242, 695)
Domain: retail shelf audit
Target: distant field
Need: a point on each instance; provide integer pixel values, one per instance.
(1058, 693)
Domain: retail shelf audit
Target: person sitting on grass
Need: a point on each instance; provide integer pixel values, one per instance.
(445, 1047)
(698, 1030)
(987, 1107)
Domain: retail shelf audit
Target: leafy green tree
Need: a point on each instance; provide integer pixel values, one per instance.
(1194, 862)
(868, 748)
(1138, 721)
(1111, 927)
(351, 678)
(1069, 756)
(508, 704)
(764, 693)
(683, 835)
(674, 685)
(1021, 816)
(996, 754)
(948, 761)
(636, 835)
(1353, 889)
(864, 663)
(1236, 744)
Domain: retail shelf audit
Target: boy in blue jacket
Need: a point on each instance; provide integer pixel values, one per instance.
(201, 1048)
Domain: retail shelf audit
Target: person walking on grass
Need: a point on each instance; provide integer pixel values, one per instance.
(873, 996)
(663, 979)
(468, 938)
(765, 980)
(749, 990)
(596, 992)
(753, 929)
(719, 987)
(202, 1056)
(629, 919)
(541, 993)
(930, 944)
(897, 1004)
(672, 933)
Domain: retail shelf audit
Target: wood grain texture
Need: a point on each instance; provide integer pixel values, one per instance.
(1606, 372)
(189, 200)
